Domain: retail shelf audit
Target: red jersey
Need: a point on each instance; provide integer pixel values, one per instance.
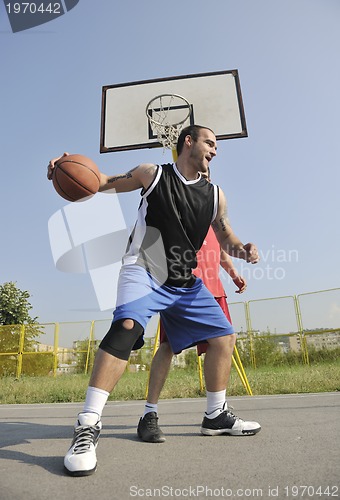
(208, 264)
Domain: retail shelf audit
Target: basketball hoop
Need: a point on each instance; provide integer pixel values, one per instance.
(167, 114)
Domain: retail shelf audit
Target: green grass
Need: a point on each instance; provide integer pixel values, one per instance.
(322, 377)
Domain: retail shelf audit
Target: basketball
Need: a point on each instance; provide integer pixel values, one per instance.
(76, 177)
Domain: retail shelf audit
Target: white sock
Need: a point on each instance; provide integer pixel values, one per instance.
(95, 400)
(149, 407)
(215, 402)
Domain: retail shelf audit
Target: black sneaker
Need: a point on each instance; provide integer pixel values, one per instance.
(228, 423)
(148, 429)
(80, 460)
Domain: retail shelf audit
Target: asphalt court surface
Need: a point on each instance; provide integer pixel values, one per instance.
(296, 454)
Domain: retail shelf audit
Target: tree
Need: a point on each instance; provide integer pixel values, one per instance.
(14, 305)
(14, 311)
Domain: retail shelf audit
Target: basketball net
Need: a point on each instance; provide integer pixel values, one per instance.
(167, 114)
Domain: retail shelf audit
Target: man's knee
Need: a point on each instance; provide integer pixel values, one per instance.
(128, 324)
(121, 337)
(225, 342)
(231, 338)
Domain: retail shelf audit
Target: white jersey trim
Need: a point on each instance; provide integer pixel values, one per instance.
(183, 179)
(154, 182)
(216, 201)
(139, 231)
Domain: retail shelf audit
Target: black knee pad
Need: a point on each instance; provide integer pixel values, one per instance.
(119, 340)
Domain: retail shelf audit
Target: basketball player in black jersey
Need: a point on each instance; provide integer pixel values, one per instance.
(177, 207)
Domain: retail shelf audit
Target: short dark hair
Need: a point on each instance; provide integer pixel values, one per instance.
(193, 131)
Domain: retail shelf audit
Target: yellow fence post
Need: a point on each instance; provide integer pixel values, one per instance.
(250, 334)
(89, 347)
(240, 369)
(55, 349)
(20, 350)
(303, 343)
(303, 340)
(200, 372)
(304, 346)
(155, 347)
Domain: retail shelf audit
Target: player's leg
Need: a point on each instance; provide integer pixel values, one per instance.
(159, 371)
(109, 365)
(138, 298)
(198, 316)
(148, 429)
(218, 418)
(217, 362)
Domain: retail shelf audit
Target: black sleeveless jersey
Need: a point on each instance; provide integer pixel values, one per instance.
(173, 219)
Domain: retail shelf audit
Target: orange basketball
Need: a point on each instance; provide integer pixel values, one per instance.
(76, 177)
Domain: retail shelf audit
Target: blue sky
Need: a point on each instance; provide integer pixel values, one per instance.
(281, 183)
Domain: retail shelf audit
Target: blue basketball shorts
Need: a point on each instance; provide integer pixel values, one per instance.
(189, 315)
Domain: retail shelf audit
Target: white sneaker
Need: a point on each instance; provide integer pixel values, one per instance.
(81, 460)
(228, 423)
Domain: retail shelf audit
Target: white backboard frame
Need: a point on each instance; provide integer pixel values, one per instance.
(215, 99)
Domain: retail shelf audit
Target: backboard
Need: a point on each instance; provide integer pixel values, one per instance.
(215, 102)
